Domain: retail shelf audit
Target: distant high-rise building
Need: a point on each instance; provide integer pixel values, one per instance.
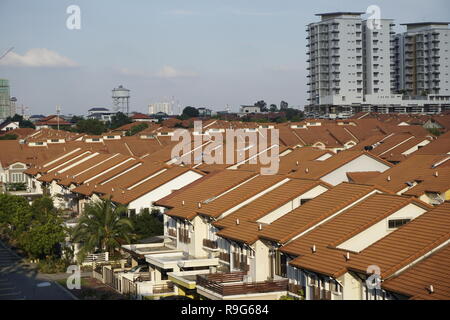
(165, 107)
(361, 65)
(422, 56)
(348, 59)
(7, 107)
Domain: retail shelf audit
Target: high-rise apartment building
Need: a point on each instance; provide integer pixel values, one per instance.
(422, 57)
(7, 107)
(354, 66)
(165, 107)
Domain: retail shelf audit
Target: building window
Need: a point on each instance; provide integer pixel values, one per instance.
(17, 177)
(397, 223)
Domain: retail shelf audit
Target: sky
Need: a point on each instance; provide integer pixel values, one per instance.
(204, 53)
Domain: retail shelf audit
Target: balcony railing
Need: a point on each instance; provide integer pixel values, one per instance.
(211, 244)
(224, 256)
(296, 289)
(172, 232)
(163, 288)
(226, 284)
(183, 235)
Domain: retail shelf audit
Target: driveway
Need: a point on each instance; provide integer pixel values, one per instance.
(20, 281)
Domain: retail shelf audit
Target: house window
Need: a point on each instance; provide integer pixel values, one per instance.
(397, 223)
(17, 177)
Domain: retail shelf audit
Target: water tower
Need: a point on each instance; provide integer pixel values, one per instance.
(121, 99)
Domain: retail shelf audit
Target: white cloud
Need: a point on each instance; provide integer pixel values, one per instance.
(37, 57)
(171, 72)
(166, 72)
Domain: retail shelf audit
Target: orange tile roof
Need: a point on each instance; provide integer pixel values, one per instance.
(233, 198)
(414, 168)
(318, 169)
(362, 177)
(201, 190)
(128, 179)
(269, 202)
(327, 236)
(126, 196)
(406, 244)
(415, 281)
(314, 211)
(97, 168)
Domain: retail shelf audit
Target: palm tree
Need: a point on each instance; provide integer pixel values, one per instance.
(102, 226)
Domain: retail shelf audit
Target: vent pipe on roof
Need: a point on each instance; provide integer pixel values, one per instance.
(431, 288)
(112, 189)
(347, 256)
(296, 163)
(199, 204)
(182, 203)
(306, 170)
(260, 227)
(389, 178)
(237, 221)
(436, 174)
(313, 248)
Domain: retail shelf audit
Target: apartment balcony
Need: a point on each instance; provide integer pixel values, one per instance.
(183, 236)
(172, 232)
(219, 286)
(163, 288)
(224, 256)
(296, 289)
(210, 244)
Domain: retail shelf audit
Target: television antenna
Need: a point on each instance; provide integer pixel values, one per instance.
(6, 52)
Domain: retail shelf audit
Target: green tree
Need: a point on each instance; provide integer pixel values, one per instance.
(15, 215)
(119, 119)
(262, 105)
(43, 239)
(22, 122)
(9, 136)
(284, 105)
(294, 114)
(75, 119)
(273, 108)
(190, 112)
(136, 129)
(102, 227)
(148, 224)
(44, 232)
(90, 126)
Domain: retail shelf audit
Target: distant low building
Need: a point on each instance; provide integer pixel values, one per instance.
(140, 117)
(36, 117)
(9, 126)
(100, 113)
(205, 112)
(250, 109)
(52, 122)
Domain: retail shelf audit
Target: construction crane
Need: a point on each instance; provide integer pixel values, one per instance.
(6, 52)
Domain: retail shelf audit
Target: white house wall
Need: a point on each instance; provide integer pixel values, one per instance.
(380, 229)
(360, 164)
(164, 190)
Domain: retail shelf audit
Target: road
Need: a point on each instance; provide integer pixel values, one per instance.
(19, 281)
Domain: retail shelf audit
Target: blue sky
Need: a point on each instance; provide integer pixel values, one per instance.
(202, 52)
